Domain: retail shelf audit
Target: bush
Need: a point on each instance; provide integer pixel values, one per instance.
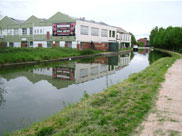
(45, 131)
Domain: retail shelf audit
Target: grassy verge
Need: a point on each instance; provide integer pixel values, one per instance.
(116, 111)
(14, 55)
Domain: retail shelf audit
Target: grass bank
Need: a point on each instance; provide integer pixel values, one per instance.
(15, 55)
(116, 111)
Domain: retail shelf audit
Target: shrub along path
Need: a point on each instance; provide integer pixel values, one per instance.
(166, 117)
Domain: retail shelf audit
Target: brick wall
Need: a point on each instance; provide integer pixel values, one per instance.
(101, 60)
(144, 41)
(96, 46)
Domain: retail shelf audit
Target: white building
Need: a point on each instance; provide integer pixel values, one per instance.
(61, 30)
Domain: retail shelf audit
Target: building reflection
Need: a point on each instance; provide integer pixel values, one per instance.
(75, 72)
(79, 72)
(2, 92)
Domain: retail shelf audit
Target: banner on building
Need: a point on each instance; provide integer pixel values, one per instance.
(64, 29)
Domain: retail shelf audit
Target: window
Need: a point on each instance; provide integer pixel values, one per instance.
(94, 70)
(11, 44)
(40, 31)
(104, 33)
(9, 32)
(31, 30)
(110, 33)
(24, 31)
(15, 31)
(35, 31)
(94, 31)
(83, 73)
(103, 68)
(113, 34)
(84, 30)
(31, 43)
(117, 36)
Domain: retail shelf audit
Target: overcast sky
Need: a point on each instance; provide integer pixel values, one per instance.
(136, 16)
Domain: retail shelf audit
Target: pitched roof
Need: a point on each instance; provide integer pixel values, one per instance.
(121, 30)
(60, 17)
(32, 19)
(18, 21)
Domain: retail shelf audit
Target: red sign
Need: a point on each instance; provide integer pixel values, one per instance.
(48, 35)
(64, 29)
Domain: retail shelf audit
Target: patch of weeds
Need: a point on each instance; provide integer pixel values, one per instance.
(174, 133)
(85, 95)
(45, 131)
(173, 120)
(159, 132)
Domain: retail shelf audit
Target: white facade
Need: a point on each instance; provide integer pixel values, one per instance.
(42, 30)
(36, 44)
(85, 72)
(17, 44)
(47, 72)
(92, 35)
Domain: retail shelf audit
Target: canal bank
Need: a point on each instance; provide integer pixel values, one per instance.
(165, 117)
(75, 55)
(116, 111)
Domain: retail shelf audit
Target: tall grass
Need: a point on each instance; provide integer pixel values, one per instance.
(14, 55)
(116, 111)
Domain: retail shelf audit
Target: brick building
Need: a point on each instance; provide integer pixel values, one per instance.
(144, 41)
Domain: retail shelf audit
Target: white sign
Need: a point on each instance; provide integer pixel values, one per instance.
(23, 39)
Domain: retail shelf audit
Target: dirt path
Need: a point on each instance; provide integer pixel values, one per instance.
(166, 118)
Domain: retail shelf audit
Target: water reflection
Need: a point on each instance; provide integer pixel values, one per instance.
(2, 91)
(155, 55)
(77, 72)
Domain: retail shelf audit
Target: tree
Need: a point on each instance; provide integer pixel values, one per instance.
(133, 40)
(169, 38)
(141, 44)
(152, 36)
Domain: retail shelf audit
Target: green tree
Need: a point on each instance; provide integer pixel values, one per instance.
(141, 44)
(133, 40)
(152, 36)
(169, 38)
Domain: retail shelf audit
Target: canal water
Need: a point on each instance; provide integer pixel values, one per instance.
(32, 93)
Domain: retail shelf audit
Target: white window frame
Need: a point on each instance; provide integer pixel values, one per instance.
(24, 31)
(84, 30)
(16, 31)
(94, 31)
(31, 30)
(104, 33)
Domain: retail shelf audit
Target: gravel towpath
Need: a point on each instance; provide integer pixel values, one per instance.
(166, 117)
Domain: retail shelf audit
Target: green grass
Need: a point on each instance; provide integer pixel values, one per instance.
(116, 111)
(124, 49)
(14, 55)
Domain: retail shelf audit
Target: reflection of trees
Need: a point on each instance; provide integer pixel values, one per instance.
(2, 91)
(155, 55)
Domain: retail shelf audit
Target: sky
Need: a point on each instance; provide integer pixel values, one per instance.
(136, 16)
